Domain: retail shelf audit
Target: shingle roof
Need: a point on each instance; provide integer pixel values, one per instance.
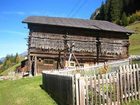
(78, 23)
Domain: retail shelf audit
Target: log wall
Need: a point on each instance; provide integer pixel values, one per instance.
(89, 45)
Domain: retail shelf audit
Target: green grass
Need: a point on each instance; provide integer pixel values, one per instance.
(26, 91)
(10, 69)
(136, 102)
(135, 39)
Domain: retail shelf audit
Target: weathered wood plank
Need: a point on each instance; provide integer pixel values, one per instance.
(118, 89)
(95, 92)
(35, 65)
(82, 91)
(131, 76)
(103, 90)
(91, 90)
(99, 89)
(107, 90)
(128, 81)
(77, 76)
(114, 88)
(134, 79)
(121, 86)
(87, 91)
(138, 80)
(124, 84)
(111, 88)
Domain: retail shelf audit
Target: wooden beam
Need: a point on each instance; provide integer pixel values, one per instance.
(98, 45)
(65, 47)
(35, 65)
(29, 64)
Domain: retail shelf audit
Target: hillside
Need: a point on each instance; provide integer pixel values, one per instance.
(135, 39)
(10, 69)
(10, 63)
(118, 11)
(24, 92)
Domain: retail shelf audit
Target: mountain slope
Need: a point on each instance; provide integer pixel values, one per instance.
(122, 12)
(135, 38)
(10, 69)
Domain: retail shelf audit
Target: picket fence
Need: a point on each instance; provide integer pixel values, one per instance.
(116, 88)
(109, 89)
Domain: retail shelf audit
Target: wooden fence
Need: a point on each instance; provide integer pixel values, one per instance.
(60, 87)
(109, 89)
(114, 88)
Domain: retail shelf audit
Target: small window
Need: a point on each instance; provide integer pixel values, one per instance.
(72, 64)
(48, 61)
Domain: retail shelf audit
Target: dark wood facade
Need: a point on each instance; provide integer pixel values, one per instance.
(49, 44)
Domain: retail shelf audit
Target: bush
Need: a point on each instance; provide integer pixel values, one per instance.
(134, 17)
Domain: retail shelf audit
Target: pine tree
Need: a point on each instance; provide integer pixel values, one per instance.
(105, 12)
(17, 58)
(124, 19)
(7, 63)
(102, 12)
(114, 10)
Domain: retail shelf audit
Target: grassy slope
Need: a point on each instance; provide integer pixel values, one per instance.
(135, 39)
(24, 92)
(12, 68)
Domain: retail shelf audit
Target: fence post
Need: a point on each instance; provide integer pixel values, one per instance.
(87, 94)
(77, 76)
(110, 85)
(135, 89)
(107, 85)
(95, 88)
(91, 91)
(121, 86)
(131, 76)
(82, 91)
(128, 82)
(99, 89)
(118, 89)
(103, 90)
(125, 84)
(114, 88)
(138, 80)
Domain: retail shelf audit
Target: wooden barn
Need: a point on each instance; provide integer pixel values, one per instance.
(56, 43)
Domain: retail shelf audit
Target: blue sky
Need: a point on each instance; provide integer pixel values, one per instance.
(13, 33)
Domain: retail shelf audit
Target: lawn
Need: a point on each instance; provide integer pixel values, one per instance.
(135, 39)
(136, 102)
(26, 91)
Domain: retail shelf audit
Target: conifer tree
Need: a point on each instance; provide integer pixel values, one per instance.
(124, 19)
(102, 12)
(114, 10)
(17, 58)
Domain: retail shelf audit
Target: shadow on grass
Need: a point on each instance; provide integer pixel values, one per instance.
(53, 97)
